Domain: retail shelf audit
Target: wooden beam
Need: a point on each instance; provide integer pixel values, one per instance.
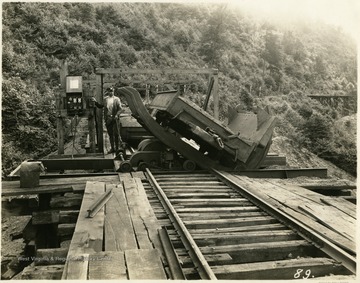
(99, 113)
(11, 188)
(245, 238)
(92, 125)
(265, 227)
(164, 71)
(216, 98)
(235, 222)
(261, 252)
(218, 215)
(218, 209)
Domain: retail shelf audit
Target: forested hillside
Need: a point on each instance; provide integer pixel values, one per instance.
(260, 64)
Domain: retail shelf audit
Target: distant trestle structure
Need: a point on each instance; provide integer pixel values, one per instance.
(348, 101)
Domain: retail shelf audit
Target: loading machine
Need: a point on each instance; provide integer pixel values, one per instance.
(186, 135)
(170, 131)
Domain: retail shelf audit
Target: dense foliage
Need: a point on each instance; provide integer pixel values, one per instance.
(259, 63)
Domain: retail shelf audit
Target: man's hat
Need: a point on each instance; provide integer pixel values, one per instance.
(110, 89)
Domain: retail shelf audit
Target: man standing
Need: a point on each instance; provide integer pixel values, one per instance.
(112, 109)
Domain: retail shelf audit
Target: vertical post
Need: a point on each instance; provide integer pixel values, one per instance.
(91, 121)
(147, 94)
(60, 107)
(59, 123)
(216, 95)
(99, 113)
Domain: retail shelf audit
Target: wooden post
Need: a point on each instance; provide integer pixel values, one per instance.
(60, 107)
(216, 95)
(147, 94)
(99, 112)
(91, 125)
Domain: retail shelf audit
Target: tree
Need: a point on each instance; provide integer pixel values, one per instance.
(273, 50)
(213, 40)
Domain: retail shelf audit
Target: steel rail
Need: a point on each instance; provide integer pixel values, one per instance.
(99, 203)
(195, 254)
(171, 256)
(307, 233)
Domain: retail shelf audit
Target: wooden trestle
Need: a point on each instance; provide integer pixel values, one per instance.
(122, 240)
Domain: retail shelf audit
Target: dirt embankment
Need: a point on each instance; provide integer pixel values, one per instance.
(303, 158)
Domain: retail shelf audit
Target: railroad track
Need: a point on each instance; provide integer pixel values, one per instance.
(216, 230)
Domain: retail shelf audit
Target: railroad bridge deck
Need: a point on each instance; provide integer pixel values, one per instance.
(122, 240)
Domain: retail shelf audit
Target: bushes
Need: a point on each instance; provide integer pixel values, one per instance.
(254, 60)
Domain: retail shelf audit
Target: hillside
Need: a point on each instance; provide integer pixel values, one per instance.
(260, 63)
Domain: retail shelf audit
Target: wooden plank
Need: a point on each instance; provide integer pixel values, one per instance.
(208, 190)
(12, 188)
(123, 177)
(50, 272)
(219, 215)
(192, 183)
(144, 264)
(342, 205)
(213, 201)
(257, 252)
(322, 230)
(245, 238)
(197, 195)
(194, 187)
(88, 234)
(218, 209)
(54, 184)
(284, 269)
(119, 231)
(76, 267)
(210, 258)
(189, 178)
(266, 227)
(107, 265)
(143, 217)
(138, 174)
(234, 222)
(288, 201)
(333, 219)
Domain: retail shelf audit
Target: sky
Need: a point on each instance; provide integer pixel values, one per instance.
(343, 13)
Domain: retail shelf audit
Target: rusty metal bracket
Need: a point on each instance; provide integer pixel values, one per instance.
(99, 203)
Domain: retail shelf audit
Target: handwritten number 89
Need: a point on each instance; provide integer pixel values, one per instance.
(299, 272)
